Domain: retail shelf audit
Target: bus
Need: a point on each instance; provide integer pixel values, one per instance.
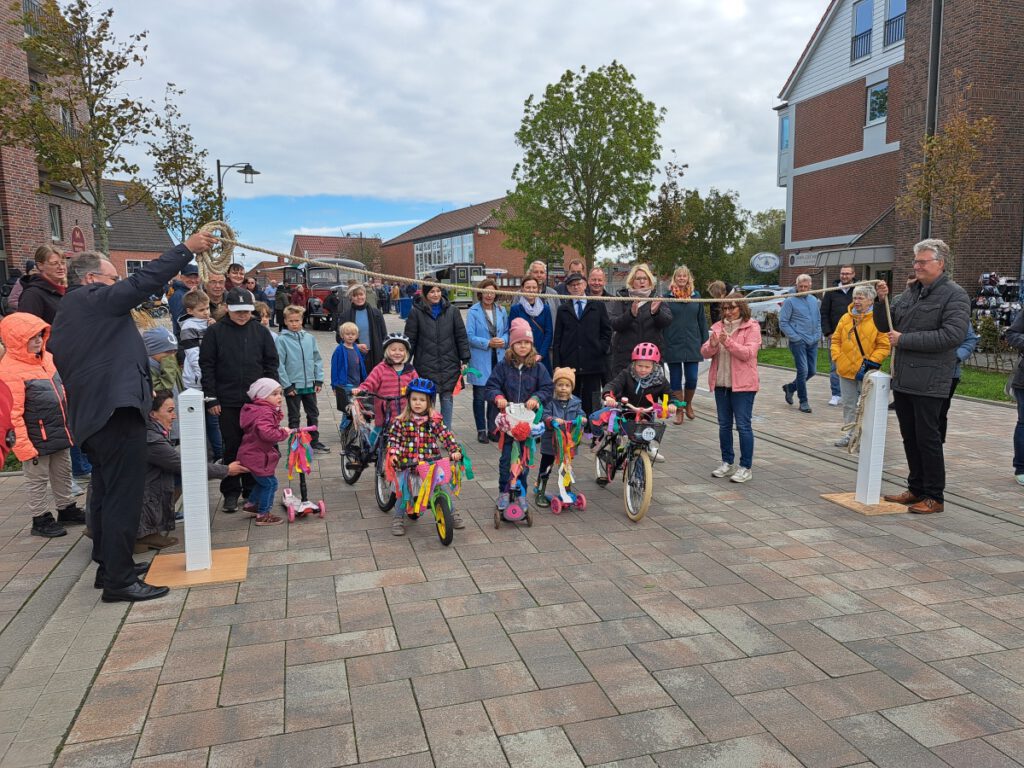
(459, 274)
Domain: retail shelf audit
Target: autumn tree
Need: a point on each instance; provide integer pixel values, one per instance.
(590, 145)
(182, 193)
(953, 182)
(77, 117)
(716, 224)
(663, 233)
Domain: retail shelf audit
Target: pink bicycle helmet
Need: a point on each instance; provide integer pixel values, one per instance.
(647, 351)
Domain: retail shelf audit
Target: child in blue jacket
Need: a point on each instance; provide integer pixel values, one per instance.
(562, 407)
(301, 373)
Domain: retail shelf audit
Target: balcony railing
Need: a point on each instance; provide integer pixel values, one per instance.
(894, 29)
(860, 46)
(32, 10)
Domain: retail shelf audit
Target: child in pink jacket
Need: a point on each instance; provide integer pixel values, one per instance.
(732, 347)
(261, 432)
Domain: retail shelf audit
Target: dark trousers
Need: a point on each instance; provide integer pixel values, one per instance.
(308, 402)
(944, 414)
(231, 433)
(588, 390)
(484, 410)
(279, 318)
(919, 419)
(118, 454)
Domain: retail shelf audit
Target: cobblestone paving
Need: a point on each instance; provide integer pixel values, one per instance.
(736, 625)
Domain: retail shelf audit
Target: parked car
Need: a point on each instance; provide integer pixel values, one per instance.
(767, 300)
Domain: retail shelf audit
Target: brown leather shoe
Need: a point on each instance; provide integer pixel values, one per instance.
(903, 498)
(925, 507)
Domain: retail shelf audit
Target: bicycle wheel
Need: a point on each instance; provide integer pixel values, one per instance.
(443, 518)
(638, 486)
(382, 489)
(604, 465)
(350, 472)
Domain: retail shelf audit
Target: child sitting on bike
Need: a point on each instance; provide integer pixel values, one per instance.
(417, 436)
(519, 378)
(643, 384)
(390, 376)
(561, 408)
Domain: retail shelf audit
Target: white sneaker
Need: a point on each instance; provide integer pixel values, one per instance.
(1019, 479)
(724, 471)
(835, 400)
(654, 449)
(76, 489)
(741, 475)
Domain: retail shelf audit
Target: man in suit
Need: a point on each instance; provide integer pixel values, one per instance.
(103, 362)
(582, 336)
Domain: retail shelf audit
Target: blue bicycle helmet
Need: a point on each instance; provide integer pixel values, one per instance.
(425, 386)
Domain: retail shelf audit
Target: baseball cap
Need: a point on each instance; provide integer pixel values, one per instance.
(240, 300)
(190, 269)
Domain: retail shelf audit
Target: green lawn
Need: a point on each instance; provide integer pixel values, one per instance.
(974, 382)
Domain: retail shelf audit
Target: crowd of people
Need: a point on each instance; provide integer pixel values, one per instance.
(83, 374)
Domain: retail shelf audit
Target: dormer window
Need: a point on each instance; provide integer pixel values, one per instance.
(860, 44)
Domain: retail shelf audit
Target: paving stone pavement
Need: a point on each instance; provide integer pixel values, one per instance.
(736, 625)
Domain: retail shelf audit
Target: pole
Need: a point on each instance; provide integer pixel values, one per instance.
(220, 194)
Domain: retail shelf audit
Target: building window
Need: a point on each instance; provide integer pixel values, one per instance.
(894, 17)
(67, 122)
(784, 133)
(860, 44)
(132, 266)
(878, 102)
(430, 255)
(56, 230)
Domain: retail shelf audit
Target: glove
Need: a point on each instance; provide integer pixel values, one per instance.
(865, 367)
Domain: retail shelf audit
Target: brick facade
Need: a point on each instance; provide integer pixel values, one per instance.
(830, 125)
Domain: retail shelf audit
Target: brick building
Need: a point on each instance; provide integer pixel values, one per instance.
(852, 117)
(29, 218)
(470, 235)
(364, 249)
(134, 233)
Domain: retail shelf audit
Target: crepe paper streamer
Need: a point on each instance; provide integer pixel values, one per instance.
(300, 453)
(466, 371)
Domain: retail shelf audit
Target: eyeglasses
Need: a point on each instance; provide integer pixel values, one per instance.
(922, 262)
(111, 278)
(730, 306)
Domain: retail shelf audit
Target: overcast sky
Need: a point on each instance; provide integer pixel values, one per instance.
(373, 115)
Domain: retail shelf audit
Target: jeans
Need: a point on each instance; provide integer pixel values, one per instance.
(1018, 435)
(505, 466)
(213, 436)
(805, 356)
(678, 373)
(833, 381)
(262, 494)
(922, 442)
(446, 407)
(735, 407)
(484, 412)
(79, 462)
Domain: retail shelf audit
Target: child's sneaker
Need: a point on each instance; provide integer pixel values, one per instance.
(320, 447)
(457, 521)
(398, 527)
(503, 501)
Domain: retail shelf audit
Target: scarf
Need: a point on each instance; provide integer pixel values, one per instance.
(491, 318)
(641, 294)
(533, 310)
(731, 326)
(652, 379)
(418, 420)
(679, 293)
(435, 310)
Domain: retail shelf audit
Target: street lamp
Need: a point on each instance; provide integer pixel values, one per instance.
(243, 168)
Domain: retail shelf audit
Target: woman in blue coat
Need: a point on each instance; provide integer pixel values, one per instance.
(537, 314)
(683, 340)
(487, 328)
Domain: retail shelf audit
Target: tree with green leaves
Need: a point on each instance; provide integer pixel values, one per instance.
(78, 118)
(663, 233)
(716, 225)
(182, 193)
(590, 145)
(764, 233)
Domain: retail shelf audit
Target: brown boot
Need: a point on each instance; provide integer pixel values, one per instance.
(688, 397)
(677, 396)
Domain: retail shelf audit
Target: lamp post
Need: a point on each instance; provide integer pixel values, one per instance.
(243, 168)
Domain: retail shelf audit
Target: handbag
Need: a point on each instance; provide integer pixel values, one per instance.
(866, 365)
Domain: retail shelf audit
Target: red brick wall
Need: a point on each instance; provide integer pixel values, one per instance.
(893, 121)
(118, 259)
(830, 125)
(398, 259)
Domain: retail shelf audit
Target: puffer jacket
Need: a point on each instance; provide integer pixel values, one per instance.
(300, 364)
(385, 381)
(261, 432)
(38, 404)
(630, 331)
(439, 347)
(232, 357)
(411, 442)
(742, 347)
(625, 385)
(518, 383)
(566, 410)
(932, 321)
(192, 331)
(845, 350)
(41, 298)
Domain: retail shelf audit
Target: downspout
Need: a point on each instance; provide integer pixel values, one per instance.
(932, 105)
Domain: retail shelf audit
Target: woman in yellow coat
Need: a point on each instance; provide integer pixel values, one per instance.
(858, 347)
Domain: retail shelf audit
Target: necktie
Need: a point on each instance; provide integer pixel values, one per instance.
(579, 308)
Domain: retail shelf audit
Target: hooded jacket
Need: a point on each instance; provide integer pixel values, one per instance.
(847, 353)
(439, 346)
(630, 331)
(192, 330)
(38, 405)
(518, 383)
(41, 298)
(232, 357)
(385, 381)
(261, 428)
(300, 366)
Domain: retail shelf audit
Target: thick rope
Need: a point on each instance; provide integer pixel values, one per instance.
(220, 263)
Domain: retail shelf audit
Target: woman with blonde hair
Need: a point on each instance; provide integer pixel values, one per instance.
(643, 319)
(683, 338)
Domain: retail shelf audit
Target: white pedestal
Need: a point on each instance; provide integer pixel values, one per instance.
(195, 492)
(872, 439)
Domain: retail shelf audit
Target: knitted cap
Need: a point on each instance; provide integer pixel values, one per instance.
(159, 340)
(519, 330)
(261, 388)
(564, 373)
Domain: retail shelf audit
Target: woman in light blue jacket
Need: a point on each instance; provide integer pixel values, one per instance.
(487, 328)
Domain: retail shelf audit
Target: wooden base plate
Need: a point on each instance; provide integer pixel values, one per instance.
(849, 500)
(228, 565)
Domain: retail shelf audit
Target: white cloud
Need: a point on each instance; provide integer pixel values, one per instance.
(342, 229)
(410, 100)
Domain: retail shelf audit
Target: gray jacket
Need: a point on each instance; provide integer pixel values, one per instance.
(933, 321)
(1015, 338)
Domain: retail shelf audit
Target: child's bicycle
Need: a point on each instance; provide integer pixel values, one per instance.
(358, 452)
(435, 481)
(625, 447)
(519, 423)
(566, 497)
(300, 455)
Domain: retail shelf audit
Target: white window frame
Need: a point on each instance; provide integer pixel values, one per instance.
(56, 224)
(131, 266)
(785, 133)
(867, 111)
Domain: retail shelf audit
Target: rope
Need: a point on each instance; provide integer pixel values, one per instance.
(220, 263)
(854, 428)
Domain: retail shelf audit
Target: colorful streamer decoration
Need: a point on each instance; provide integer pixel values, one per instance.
(300, 453)
(467, 370)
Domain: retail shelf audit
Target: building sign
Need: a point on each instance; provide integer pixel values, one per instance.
(77, 240)
(805, 259)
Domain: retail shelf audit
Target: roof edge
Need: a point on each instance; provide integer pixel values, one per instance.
(812, 43)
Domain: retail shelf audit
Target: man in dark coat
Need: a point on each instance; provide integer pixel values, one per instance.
(103, 362)
(43, 292)
(833, 306)
(930, 320)
(236, 350)
(582, 336)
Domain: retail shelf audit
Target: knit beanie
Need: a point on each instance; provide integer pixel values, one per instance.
(564, 373)
(261, 388)
(159, 340)
(519, 330)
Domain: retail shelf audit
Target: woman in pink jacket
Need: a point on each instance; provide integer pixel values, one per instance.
(732, 347)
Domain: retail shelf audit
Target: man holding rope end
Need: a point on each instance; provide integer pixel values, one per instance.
(929, 321)
(103, 362)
